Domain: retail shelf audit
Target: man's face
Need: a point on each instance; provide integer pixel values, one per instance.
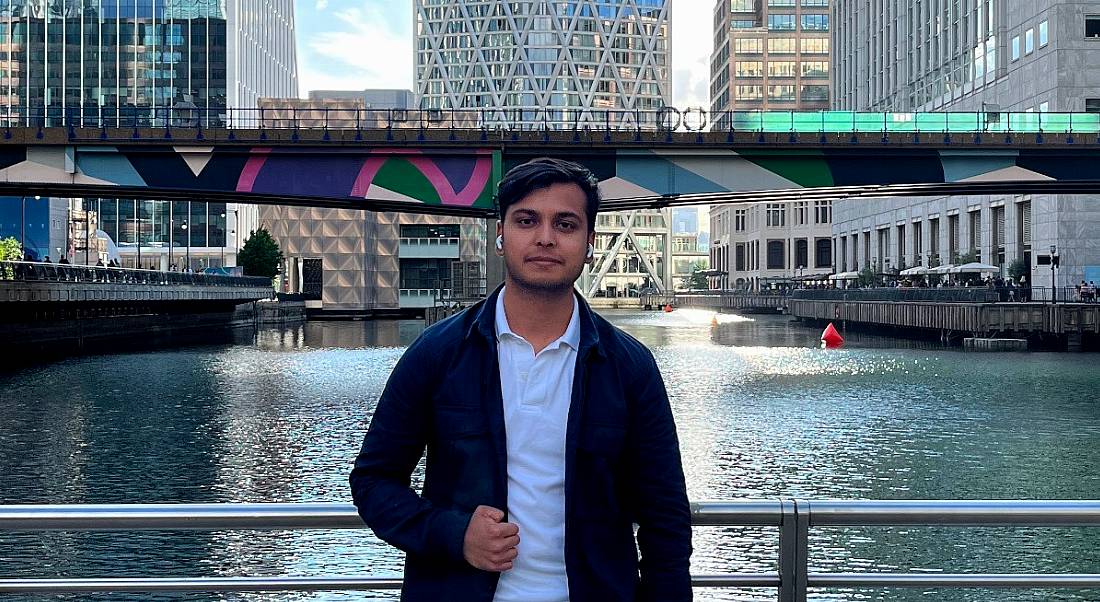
(546, 238)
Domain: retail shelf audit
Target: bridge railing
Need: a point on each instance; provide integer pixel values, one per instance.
(791, 578)
(668, 119)
(26, 271)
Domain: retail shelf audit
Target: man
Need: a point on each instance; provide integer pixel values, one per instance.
(548, 432)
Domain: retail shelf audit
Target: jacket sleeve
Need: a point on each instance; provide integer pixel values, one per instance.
(661, 506)
(380, 481)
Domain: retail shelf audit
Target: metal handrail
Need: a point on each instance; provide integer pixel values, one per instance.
(577, 119)
(793, 517)
(32, 271)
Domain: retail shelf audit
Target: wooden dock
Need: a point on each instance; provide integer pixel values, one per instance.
(744, 303)
(1070, 321)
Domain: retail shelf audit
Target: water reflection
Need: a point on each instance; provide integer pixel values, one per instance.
(762, 413)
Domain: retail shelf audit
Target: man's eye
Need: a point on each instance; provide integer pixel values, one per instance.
(567, 225)
(525, 221)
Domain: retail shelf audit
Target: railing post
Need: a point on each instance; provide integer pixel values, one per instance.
(793, 548)
(788, 551)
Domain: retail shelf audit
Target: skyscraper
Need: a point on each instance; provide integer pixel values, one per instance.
(131, 62)
(983, 56)
(540, 61)
(770, 55)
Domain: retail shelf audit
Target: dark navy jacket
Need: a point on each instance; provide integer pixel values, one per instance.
(622, 465)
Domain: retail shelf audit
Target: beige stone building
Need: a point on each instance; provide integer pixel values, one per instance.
(352, 262)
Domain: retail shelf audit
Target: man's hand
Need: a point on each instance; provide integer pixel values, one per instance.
(490, 545)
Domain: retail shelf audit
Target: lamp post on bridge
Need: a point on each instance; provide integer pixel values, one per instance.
(188, 246)
(1053, 282)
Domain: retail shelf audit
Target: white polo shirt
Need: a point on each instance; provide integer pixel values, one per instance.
(536, 392)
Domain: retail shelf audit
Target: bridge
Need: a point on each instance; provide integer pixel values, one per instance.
(386, 161)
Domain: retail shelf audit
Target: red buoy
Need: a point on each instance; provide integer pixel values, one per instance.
(668, 308)
(831, 338)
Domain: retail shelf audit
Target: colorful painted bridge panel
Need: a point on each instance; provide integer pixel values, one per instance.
(465, 178)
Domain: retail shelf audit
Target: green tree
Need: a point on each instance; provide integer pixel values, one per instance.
(867, 277)
(696, 280)
(1018, 268)
(10, 249)
(260, 255)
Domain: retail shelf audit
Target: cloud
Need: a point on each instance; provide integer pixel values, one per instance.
(362, 51)
(321, 4)
(692, 44)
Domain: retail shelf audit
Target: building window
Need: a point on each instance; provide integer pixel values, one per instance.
(801, 253)
(823, 212)
(743, 24)
(749, 92)
(739, 220)
(815, 22)
(1092, 26)
(743, 6)
(1015, 48)
(781, 2)
(748, 46)
(815, 45)
(781, 45)
(748, 68)
(801, 213)
(739, 258)
(781, 93)
(976, 234)
(1092, 105)
(781, 22)
(781, 68)
(777, 215)
(815, 93)
(776, 255)
(1044, 38)
(815, 3)
(1029, 41)
(824, 253)
(815, 68)
(1043, 107)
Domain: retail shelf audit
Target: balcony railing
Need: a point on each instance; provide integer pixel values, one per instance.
(791, 579)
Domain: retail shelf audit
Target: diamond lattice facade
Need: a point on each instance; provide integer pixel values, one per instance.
(544, 62)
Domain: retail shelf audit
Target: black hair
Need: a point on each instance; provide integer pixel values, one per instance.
(543, 172)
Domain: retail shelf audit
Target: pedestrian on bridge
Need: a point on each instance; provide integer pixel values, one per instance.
(548, 432)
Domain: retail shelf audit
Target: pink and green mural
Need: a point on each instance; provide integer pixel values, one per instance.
(461, 178)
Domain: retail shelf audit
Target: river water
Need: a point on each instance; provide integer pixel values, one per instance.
(761, 412)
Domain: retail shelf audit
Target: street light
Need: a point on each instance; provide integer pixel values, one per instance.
(1053, 264)
(224, 229)
(171, 228)
(188, 245)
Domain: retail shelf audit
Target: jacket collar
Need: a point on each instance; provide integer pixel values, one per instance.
(484, 323)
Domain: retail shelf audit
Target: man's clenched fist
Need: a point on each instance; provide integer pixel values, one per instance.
(490, 545)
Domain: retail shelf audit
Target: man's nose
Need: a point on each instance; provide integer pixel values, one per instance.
(545, 236)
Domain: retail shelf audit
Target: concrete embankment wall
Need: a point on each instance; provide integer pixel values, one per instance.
(53, 334)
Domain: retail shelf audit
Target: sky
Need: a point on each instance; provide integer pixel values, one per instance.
(360, 44)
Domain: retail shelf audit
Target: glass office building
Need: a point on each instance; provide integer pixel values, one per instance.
(140, 62)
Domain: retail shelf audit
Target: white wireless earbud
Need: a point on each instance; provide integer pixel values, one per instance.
(500, 243)
(591, 251)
